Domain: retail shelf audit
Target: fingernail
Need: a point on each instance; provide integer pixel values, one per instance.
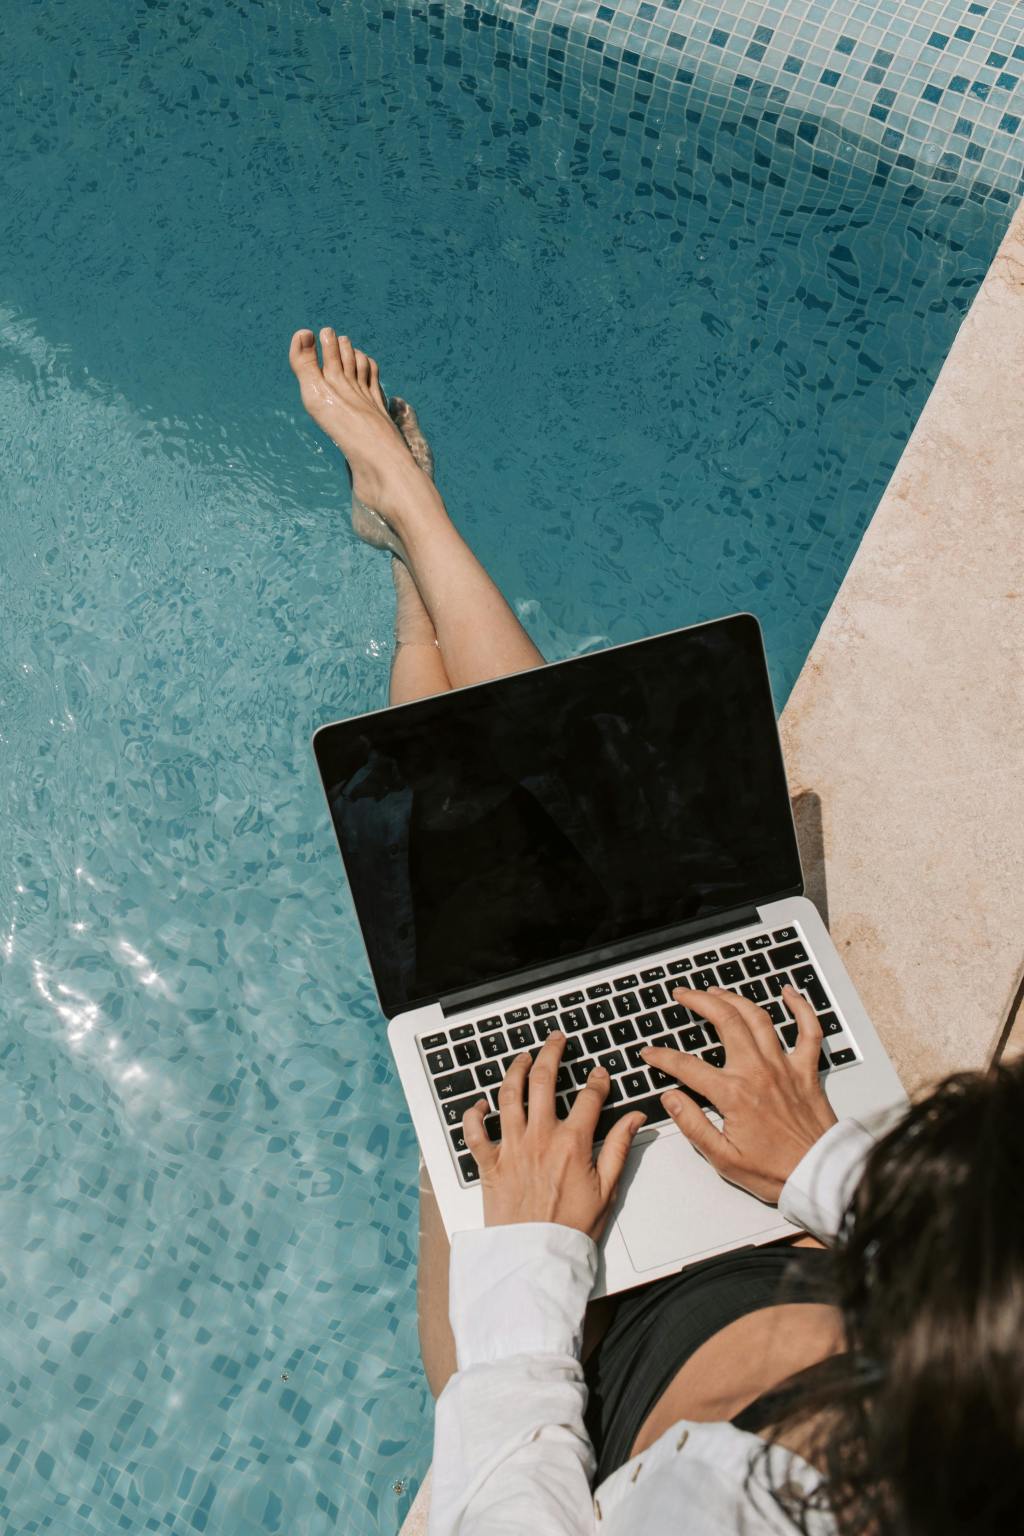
(598, 1072)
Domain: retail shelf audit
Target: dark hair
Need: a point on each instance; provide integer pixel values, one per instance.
(918, 1429)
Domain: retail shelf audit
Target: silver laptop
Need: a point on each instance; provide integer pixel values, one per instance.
(558, 849)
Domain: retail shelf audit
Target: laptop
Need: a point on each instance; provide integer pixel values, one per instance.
(558, 849)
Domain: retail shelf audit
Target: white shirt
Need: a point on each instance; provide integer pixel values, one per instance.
(511, 1453)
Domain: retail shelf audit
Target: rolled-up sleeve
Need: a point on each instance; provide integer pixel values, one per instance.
(511, 1453)
(818, 1190)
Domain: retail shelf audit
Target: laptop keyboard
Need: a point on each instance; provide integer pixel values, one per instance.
(608, 1021)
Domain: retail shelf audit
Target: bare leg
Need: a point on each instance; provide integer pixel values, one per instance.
(478, 634)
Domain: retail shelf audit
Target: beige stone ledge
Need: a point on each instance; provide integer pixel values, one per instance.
(903, 735)
(904, 730)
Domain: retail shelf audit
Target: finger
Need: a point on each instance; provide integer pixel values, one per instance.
(477, 1140)
(687, 1068)
(612, 1156)
(762, 1030)
(717, 1006)
(511, 1113)
(808, 1030)
(542, 1079)
(696, 1127)
(589, 1103)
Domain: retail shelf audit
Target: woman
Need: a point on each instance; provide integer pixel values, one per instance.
(869, 1379)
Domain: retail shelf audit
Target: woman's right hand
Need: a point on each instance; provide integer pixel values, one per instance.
(771, 1101)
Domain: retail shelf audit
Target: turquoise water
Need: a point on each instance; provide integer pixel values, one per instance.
(658, 388)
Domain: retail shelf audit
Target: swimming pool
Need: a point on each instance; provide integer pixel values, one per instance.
(667, 374)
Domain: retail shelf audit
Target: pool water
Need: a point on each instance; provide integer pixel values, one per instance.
(659, 388)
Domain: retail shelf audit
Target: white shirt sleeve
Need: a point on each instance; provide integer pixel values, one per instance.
(818, 1190)
(511, 1451)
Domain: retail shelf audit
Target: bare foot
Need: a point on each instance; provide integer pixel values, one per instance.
(366, 520)
(344, 399)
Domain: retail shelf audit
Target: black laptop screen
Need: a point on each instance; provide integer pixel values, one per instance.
(561, 809)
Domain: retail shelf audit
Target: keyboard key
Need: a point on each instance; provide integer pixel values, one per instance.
(711, 1031)
(517, 1015)
(596, 1040)
(706, 957)
(581, 1070)
(653, 997)
(756, 965)
(494, 1045)
(492, 1126)
(662, 1079)
(570, 999)
(728, 950)
(786, 956)
(759, 941)
(755, 990)
(564, 1081)
(494, 1022)
(600, 989)
(775, 984)
(573, 1048)
(633, 1056)
(573, 1018)
(458, 1140)
(464, 1032)
(715, 1057)
(677, 967)
(700, 981)
(830, 1025)
(520, 1037)
(543, 1027)
(431, 1042)
(548, 1005)
(649, 1024)
(789, 1033)
(467, 1053)
(488, 1073)
(775, 1012)
(450, 1087)
(627, 1003)
(692, 1039)
(470, 1172)
(613, 1062)
(730, 972)
(653, 973)
(439, 1061)
(563, 1104)
(675, 1015)
(841, 1058)
(634, 1083)
(823, 1061)
(623, 1032)
(624, 983)
(454, 1110)
(806, 978)
(600, 1012)
(665, 1043)
(653, 1107)
(784, 935)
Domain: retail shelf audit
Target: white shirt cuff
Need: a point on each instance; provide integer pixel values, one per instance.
(519, 1289)
(817, 1192)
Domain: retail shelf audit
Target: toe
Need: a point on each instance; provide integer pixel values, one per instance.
(362, 368)
(332, 353)
(348, 357)
(377, 394)
(302, 353)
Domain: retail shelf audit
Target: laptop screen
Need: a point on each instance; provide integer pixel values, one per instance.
(549, 813)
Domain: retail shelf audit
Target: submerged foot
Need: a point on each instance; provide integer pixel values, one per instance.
(388, 473)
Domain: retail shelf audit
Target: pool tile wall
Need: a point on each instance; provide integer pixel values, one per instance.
(932, 92)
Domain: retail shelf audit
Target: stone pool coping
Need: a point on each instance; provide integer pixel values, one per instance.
(902, 736)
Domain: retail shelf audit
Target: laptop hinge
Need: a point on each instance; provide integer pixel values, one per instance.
(597, 959)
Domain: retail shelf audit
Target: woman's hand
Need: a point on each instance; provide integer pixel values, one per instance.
(772, 1102)
(543, 1168)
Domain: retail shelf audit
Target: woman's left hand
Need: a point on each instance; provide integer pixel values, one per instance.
(543, 1168)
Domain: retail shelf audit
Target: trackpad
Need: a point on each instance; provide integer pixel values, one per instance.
(674, 1206)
